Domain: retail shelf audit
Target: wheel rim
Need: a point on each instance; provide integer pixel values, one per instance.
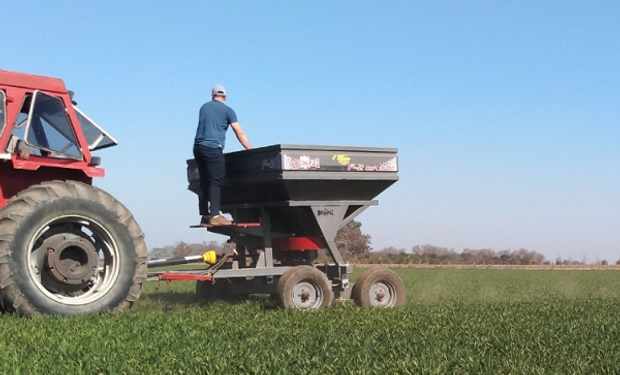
(307, 295)
(73, 260)
(382, 294)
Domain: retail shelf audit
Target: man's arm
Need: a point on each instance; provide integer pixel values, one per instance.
(243, 139)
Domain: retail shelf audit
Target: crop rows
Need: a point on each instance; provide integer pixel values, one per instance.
(457, 321)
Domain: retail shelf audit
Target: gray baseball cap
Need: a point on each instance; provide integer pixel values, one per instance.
(218, 90)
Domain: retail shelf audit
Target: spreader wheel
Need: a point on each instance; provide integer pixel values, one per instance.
(69, 248)
(379, 287)
(304, 287)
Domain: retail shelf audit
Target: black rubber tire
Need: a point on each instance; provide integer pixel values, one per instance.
(67, 206)
(295, 278)
(379, 280)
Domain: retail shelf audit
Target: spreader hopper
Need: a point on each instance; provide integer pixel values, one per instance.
(293, 176)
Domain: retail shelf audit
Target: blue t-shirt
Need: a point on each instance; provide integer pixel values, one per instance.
(213, 122)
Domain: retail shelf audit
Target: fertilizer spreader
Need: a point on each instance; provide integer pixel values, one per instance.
(288, 202)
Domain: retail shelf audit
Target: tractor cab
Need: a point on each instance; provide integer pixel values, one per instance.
(44, 127)
(44, 135)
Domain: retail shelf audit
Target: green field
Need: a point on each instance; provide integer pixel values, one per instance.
(456, 322)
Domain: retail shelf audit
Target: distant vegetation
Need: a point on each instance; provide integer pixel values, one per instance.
(182, 249)
(355, 246)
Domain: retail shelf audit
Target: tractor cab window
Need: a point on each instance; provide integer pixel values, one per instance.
(48, 128)
(96, 137)
(2, 111)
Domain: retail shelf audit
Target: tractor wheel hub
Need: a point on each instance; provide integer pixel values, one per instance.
(70, 259)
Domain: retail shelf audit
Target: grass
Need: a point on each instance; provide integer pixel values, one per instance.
(432, 286)
(456, 322)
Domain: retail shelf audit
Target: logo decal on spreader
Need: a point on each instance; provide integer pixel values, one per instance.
(304, 162)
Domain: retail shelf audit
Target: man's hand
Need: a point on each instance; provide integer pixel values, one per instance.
(23, 150)
(25, 154)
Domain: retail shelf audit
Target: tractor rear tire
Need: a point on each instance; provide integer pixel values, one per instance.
(69, 248)
(379, 287)
(306, 288)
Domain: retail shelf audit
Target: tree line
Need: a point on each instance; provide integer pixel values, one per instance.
(355, 247)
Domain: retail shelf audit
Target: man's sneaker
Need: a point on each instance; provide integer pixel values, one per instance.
(219, 220)
(204, 221)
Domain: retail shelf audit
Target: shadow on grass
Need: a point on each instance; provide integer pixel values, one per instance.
(177, 298)
(169, 300)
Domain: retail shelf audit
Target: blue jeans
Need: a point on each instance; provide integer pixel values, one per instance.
(212, 169)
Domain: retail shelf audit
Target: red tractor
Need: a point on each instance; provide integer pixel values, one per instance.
(66, 247)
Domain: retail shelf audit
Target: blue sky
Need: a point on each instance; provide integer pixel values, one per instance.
(506, 115)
